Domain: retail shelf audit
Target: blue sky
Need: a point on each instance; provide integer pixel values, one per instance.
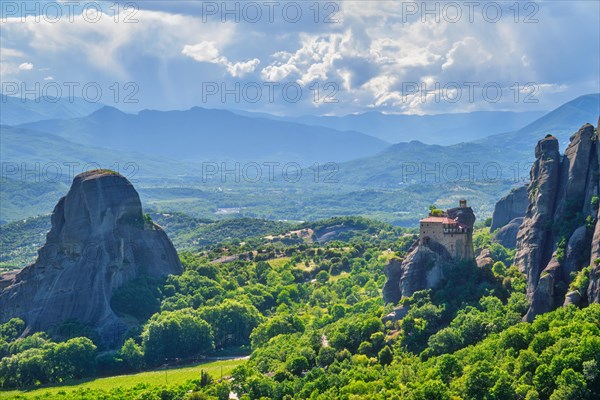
(306, 57)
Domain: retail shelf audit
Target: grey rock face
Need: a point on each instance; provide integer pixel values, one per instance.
(577, 248)
(99, 241)
(572, 298)
(560, 195)
(593, 292)
(513, 205)
(391, 288)
(484, 259)
(423, 268)
(507, 235)
(574, 172)
(542, 299)
(534, 240)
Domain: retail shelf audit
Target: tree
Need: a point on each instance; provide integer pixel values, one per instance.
(12, 329)
(432, 390)
(448, 367)
(173, 334)
(205, 379)
(326, 356)
(322, 277)
(278, 325)
(385, 356)
(232, 321)
(571, 385)
(132, 355)
(297, 364)
(446, 340)
(479, 380)
(72, 359)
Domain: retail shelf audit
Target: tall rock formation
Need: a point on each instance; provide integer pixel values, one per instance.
(556, 236)
(513, 205)
(98, 242)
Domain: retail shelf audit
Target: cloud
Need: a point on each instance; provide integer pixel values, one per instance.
(371, 54)
(26, 66)
(105, 45)
(49, 78)
(10, 53)
(208, 52)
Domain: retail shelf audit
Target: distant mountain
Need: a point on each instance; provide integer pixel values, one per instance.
(561, 122)
(201, 135)
(442, 129)
(499, 158)
(17, 110)
(47, 157)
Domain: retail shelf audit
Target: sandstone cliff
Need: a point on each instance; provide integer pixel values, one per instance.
(560, 233)
(99, 241)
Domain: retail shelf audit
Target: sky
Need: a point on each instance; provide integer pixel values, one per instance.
(303, 57)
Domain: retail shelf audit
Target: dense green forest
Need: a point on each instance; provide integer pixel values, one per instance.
(311, 315)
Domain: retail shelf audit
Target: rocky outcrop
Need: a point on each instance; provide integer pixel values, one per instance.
(507, 235)
(535, 241)
(423, 268)
(557, 237)
(513, 205)
(391, 288)
(484, 259)
(593, 293)
(99, 241)
(463, 215)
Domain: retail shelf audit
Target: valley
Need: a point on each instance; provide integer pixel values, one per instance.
(321, 200)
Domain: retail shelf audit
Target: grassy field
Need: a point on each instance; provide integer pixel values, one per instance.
(158, 377)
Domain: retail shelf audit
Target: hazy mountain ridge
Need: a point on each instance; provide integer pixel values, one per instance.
(440, 129)
(498, 158)
(20, 110)
(199, 134)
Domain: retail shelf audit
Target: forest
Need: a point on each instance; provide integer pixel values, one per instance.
(311, 316)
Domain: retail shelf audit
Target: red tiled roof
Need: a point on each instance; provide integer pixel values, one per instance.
(440, 220)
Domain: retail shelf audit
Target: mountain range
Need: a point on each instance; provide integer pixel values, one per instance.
(168, 148)
(441, 129)
(198, 135)
(20, 110)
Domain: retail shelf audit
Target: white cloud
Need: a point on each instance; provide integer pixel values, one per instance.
(10, 53)
(370, 53)
(104, 45)
(49, 78)
(207, 51)
(26, 66)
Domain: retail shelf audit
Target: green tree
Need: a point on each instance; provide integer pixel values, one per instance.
(385, 356)
(12, 329)
(132, 355)
(297, 365)
(72, 359)
(232, 321)
(174, 334)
